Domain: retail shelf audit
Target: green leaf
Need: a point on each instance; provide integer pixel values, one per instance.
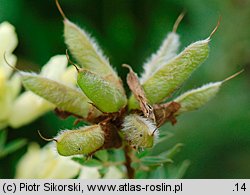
(173, 151)
(135, 165)
(92, 163)
(143, 153)
(103, 171)
(102, 155)
(86, 161)
(158, 173)
(182, 169)
(105, 96)
(64, 97)
(178, 171)
(141, 174)
(116, 155)
(79, 160)
(164, 135)
(155, 160)
(12, 147)
(171, 75)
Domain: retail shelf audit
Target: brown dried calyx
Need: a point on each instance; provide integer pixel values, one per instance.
(158, 113)
(166, 112)
(138, 91)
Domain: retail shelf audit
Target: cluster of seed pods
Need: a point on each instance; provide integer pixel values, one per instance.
(100, 99)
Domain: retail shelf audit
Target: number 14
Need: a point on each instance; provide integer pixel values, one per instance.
(240, 187)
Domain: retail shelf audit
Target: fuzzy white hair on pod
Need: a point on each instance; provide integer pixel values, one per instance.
(166, 52)
(140, 132)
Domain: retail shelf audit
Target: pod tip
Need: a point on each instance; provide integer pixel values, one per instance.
(46, 139)
(60, 10)
(215, 29)
(178, 21)
(233, 76)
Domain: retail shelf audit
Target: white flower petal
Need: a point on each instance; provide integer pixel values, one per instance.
(8, 38)
(55, 166)
(114, 173)
(15, 85)
(69, 77)
(2, 82)
(55, 67)
(28, 107)
(45, 163)
(11, 59)
(89, 173)
(27, 166)
(5, 100)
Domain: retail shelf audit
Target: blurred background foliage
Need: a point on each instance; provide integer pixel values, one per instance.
(217, 137)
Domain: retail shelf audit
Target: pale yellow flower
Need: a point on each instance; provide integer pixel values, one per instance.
(46, 163)
(8, 43)
(9, 85)
(114, 173)
(93, 173)
(89, 173)
(21, 110)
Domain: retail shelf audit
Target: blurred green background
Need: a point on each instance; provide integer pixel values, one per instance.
(216, 137)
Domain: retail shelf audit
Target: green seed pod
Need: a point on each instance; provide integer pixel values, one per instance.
(170, 76)
(196, 98)
(167, 51)
(140, 132)
(85, 50)
(85, 140)
(88, 54)
(64, 97)
(105, 96)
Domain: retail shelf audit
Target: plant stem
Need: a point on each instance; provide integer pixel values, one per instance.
(130, 170)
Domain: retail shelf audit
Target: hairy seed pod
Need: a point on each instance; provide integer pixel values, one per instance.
(196, 98)
(140, 132)
(167, 51)
(88, 54)
(170, 76)
(105, 96)
(85, 140)
(84, 49)
(64, 97)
